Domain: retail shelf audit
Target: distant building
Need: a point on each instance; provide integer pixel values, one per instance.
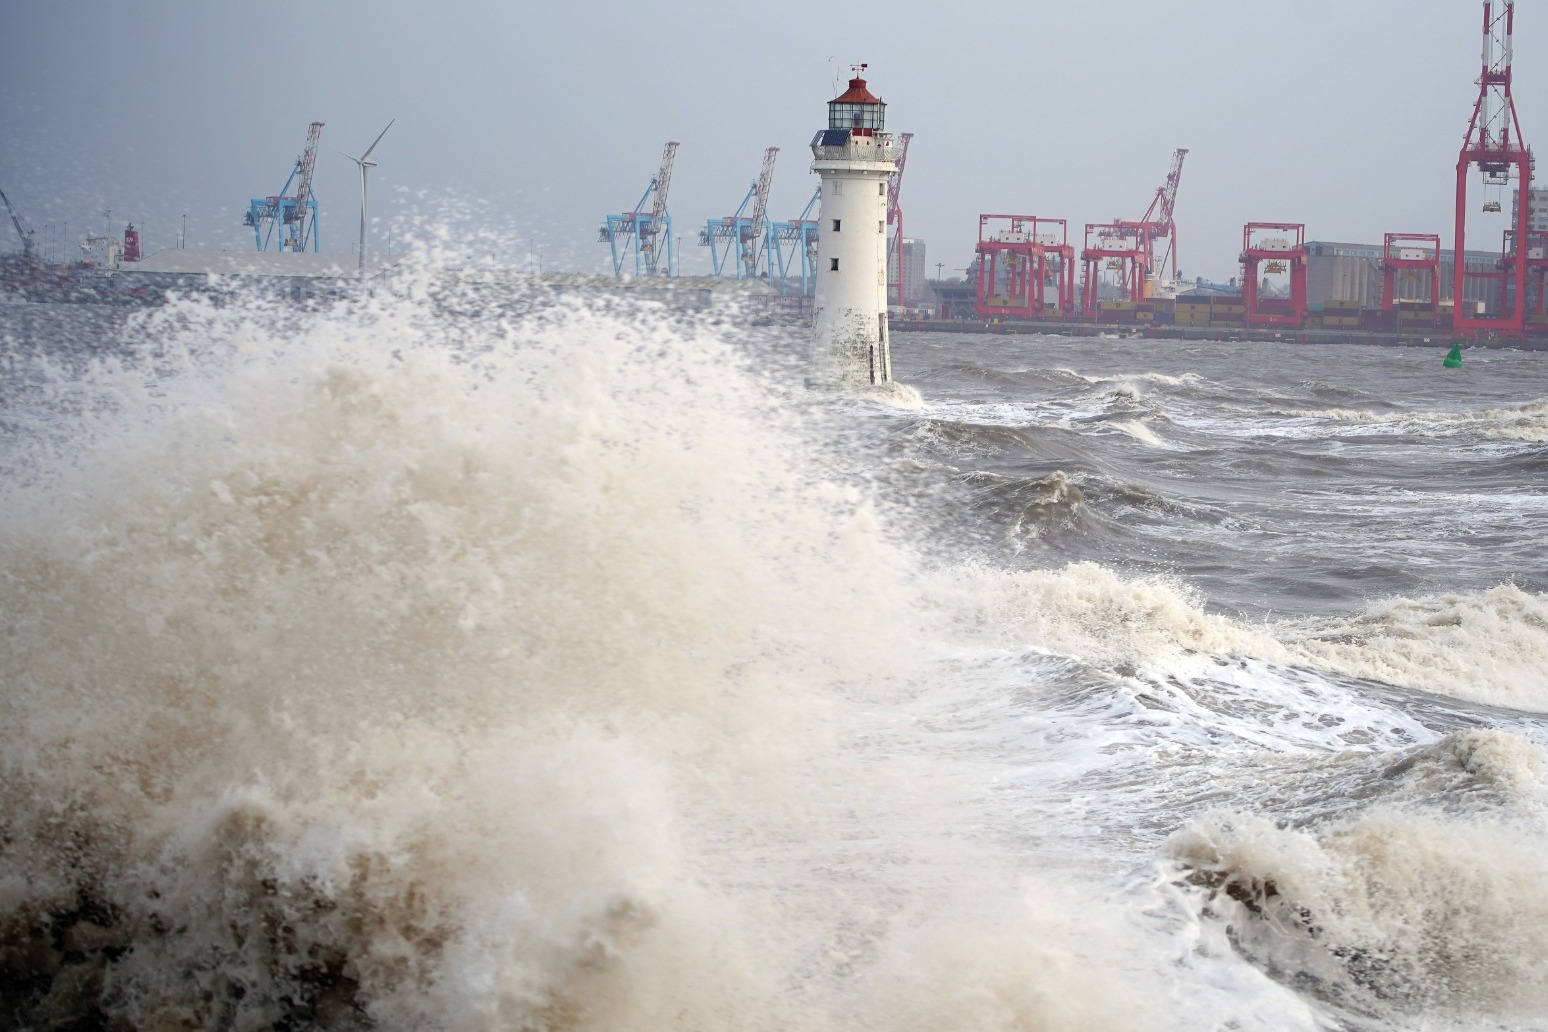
(1537, 209)
(1338, 271)
(954, 298)
(1343, 272)
(913, 254)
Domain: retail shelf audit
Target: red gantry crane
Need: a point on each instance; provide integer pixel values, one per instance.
(1284, 252)
(1019, 258)
(1117, 247)
(1414, 256)
(1534, 310)
(1494, 143)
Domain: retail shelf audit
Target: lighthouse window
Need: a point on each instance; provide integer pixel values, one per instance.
(835, 225)
(879, 226)
(881, 189)
(861, 115)
(833, 264)
(838, 187)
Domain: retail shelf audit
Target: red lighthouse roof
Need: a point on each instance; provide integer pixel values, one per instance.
(856, 94)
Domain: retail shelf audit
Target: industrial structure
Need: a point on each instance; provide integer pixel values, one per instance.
(645, 233)
(1118, 250)
(28, 241)
(741, 244)
(1265, 255)
(364, 164)
(1410, 259)
(856, 159)
(1019, 258)
(895, 284)
(294, 214)
(1410, 283)
(1494, 143)
(1024, 265)
(1532, 256)
(1157, 227)
(1342, 271)
(794, 246)
(831, 262)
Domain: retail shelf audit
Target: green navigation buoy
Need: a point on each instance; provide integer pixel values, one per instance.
(1453, 357)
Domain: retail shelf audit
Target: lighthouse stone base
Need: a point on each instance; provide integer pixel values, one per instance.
(849, 349)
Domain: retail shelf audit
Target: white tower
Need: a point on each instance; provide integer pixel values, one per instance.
(854, 157)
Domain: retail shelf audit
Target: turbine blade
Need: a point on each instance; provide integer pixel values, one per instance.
(378, 139)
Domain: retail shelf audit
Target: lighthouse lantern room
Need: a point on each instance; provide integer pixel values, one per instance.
(854, 156)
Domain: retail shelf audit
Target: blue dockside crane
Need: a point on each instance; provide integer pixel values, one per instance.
(794, 245)
(748, 237)
(294, 213)
(646, 232)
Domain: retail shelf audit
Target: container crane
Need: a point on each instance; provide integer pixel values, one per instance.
(1018, 258)
(1118, 248)
(304, 228)
(794, 245)
(760, 213)
(751, 236)
(1494, 143)
(895, 218)
(646, 233)
(27, 235)
(1416, 255)
(1156, 225)
(1158, 217)
(1283, 252)
(294, 213)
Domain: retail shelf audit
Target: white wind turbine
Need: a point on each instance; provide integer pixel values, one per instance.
(365, 163)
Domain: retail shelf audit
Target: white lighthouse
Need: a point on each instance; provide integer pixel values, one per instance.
(854, 157)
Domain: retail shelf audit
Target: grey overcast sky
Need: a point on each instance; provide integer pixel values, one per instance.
(532, 121)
